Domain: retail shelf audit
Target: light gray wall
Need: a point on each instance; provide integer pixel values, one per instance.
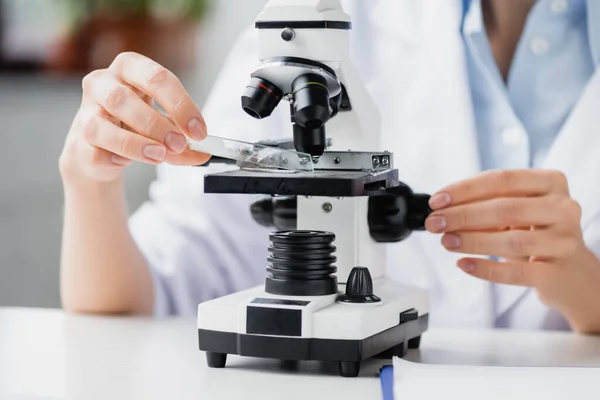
(35, 114)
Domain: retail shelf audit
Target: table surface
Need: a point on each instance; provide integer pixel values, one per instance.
(47, 354)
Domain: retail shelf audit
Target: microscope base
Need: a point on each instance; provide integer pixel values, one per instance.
(349, 353)
(256, 324)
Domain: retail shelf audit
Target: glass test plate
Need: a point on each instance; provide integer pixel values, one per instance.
(252, 155)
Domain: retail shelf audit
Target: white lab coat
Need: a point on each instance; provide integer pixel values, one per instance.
(411, 55)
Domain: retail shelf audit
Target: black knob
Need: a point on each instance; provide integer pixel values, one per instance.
(288, 34)
(359, 288)
(394, 216)
(410, 315)
(262, 211)
(278, 212)
(418, 211)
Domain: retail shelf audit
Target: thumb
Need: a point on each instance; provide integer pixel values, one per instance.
(188, 157)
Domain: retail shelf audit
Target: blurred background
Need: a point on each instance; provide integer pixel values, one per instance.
(46, 47)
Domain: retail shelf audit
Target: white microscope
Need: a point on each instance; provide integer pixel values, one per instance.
(326, 296)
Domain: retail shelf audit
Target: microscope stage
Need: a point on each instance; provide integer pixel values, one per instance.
(324, 183)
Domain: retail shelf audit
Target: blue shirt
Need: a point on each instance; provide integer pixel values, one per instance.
(518, 120)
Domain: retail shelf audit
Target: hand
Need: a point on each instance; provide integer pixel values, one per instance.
(525, 217)
(117, 125)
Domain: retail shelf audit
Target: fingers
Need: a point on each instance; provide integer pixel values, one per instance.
(497, 214)
(101, 133)
(117, 123)
(102, 158)
(512, 244)
(188, 157)
(124, 104)
(163, 86)
(504, 183)
(119, 120)
(510, 273)
(122, 146)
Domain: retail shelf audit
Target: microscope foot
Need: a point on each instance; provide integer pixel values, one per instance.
(400, 350)
(349, 369)
(386, 355)
(414, 343)
(216, 360)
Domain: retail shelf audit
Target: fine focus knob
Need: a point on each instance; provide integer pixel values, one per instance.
(418, 211)
(359, 288)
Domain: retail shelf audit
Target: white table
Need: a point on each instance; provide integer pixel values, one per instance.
(51, 355)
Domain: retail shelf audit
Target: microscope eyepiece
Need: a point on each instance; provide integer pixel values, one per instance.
(260, 98)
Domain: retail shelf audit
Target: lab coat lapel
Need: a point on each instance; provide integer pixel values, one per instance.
(428, 123)
(428, 115)
(576, 151)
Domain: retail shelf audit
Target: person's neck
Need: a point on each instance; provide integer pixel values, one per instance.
(504, 22)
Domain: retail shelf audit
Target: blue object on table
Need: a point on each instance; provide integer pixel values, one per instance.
(386, 375)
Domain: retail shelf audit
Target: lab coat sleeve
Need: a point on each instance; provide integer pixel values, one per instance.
(201, 246)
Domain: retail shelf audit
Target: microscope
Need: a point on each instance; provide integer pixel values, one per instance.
(326, 296)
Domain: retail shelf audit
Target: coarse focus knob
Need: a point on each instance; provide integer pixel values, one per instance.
(359, 288)
(394, 216)
(278, 212)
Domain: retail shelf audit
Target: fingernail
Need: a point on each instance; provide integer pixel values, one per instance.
(467, 266)
(451, 241)
(155, 152)
(176, 142)
(439, 200)
(119, 160)
(196, 129)
(436, 223)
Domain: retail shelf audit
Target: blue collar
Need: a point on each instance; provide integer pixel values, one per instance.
(593, 22)
(466, 4)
